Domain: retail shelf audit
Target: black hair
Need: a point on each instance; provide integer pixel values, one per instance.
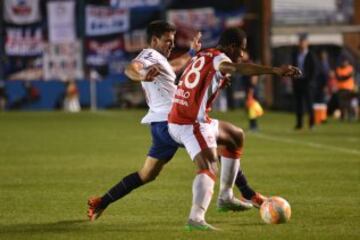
(158, 28)
(303, 36)
(232, 36)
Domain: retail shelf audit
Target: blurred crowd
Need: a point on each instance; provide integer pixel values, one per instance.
(323, 89)
(69, 100)
(326, 89)
(329, 88)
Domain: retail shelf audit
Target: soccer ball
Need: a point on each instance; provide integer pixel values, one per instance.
(275, 210)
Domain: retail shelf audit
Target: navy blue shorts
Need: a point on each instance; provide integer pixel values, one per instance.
(163, 146)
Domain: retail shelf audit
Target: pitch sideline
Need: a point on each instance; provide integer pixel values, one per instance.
(308, 144)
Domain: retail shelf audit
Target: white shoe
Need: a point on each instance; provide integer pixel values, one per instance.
(233, 204)
(193, 225)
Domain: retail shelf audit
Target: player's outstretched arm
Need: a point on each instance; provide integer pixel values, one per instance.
(179, 63)
(136, 72)
(256, 69)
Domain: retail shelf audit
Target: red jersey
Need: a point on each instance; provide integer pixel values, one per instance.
(198, 87)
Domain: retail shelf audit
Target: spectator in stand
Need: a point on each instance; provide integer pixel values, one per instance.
(254, 109)
(323, 77)
(303, 87)
(32, 95)
(71, 100)
(346, 88)
(331, 94)
(3, 96)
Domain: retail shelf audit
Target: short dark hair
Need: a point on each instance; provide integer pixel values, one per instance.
(232, 36)
(157, 28)
(303, 36)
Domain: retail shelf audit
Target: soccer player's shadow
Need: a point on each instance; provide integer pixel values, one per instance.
(64, 226)
(33, 228)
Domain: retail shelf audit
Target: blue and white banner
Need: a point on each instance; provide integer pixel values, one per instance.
(189, 21)
(22, 11)
(127, 4)
(63, 61)
(233, 18)
(23, 41)
(117, 63)
(61, 18)
(98, 53)
(102, 20)
(135, 40)
(107, 54)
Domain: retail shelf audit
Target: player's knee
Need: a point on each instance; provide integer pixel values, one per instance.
(235, 147)
(206, 162)
(214, 168)
(151, 178)
(234, 153)
(238, 137)
(210, 171)
(148, 176)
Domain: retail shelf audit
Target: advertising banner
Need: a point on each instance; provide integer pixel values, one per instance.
(23, 41)
(107, 55)
(135, 3)
(61, 21)
(101, 20)
(135, 40)
(63, 61)
(22, 11)
(190, 21)
(98, 52)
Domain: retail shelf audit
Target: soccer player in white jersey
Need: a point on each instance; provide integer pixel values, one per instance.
(157, 76)
(190, 125)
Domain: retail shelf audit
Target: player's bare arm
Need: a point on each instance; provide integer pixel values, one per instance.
(256, 69)
(136, 71)
(195, 45)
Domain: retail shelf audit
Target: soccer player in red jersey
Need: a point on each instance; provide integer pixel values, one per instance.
(157, 76)
(190, 125)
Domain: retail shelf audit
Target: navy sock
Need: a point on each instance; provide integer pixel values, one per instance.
(243, 186)
(125, 186)
(253, 124)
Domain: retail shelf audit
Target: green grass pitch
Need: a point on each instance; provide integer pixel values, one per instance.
(51, 162)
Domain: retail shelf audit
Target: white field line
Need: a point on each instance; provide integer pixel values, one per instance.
(308, 144)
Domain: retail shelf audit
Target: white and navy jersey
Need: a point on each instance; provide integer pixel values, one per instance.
(160, 92)
(198, 87)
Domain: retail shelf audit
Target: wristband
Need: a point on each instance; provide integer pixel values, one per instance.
(192, 52)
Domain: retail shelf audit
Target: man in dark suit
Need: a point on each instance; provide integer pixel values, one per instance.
(304, 86)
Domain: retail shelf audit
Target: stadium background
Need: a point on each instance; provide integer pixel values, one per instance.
(49, 42)
(52, 161)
